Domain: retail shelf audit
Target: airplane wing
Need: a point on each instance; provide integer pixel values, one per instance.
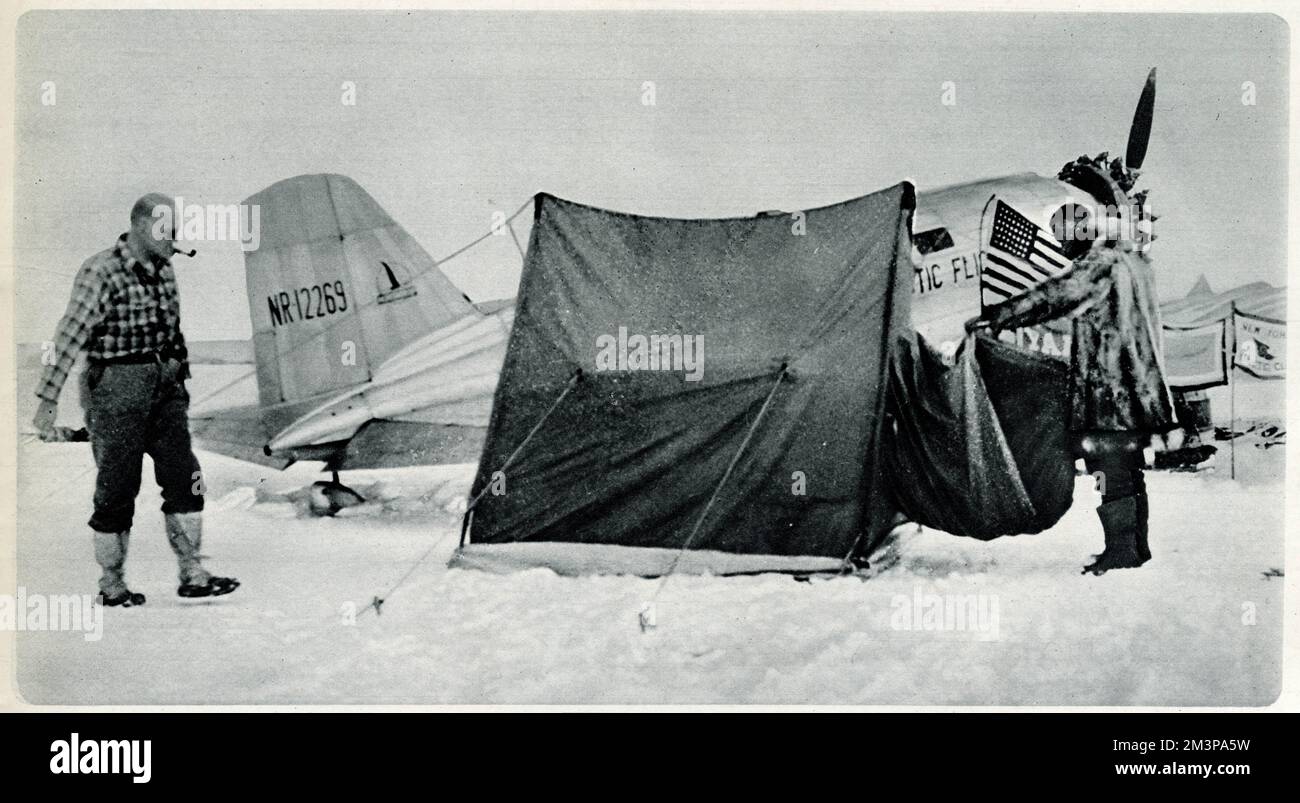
(394, 444)
(224, 415)
(235, 432)
(221, 352)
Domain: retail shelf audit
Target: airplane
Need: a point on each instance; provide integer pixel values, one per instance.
(366, 355)
(952, 228)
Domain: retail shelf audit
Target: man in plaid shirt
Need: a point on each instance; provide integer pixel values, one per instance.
(125, 314)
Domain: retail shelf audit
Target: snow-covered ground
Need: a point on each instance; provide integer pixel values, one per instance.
(1200, 624)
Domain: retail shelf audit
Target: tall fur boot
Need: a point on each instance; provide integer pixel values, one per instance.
(1119, 523)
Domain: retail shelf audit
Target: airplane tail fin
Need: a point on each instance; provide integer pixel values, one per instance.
(336, 287)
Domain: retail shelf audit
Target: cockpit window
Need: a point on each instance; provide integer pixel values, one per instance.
(931, 240)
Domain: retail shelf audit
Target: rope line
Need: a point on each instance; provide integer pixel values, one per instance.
(515, 237)
(469, 510)
(378, 601)
(735, 458)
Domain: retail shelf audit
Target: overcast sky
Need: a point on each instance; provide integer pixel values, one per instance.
(460, 115)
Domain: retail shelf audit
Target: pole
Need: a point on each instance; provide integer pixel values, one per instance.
(1232, 393)
(1232, 406)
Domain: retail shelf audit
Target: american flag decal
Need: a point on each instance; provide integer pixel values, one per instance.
(1019, 256)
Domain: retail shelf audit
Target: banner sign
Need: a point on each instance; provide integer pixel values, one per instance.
(1260, 346)
(1196, 357)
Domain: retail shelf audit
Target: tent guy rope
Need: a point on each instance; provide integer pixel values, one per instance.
(376, 603)
(726, 475)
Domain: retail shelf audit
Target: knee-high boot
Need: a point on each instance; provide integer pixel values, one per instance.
(1119, 523)
(110, 554)
(185, 534)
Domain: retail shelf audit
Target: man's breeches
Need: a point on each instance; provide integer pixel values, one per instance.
(133, 410)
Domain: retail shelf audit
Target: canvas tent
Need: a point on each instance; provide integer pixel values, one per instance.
(979, 449)
(1201, 305)
(1204, 330)
(1201, 288)
(1207, 333)
(772, 455)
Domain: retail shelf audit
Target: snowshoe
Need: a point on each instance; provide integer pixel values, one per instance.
(214, 587)
(127, 599)
(65, 435)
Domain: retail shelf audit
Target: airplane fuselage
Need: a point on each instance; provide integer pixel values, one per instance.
(948, 252)
(313, 411)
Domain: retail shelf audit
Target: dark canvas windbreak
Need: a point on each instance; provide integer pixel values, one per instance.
(631, 457)
(981, 448)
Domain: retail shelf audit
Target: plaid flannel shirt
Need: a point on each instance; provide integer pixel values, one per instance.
(120, 307)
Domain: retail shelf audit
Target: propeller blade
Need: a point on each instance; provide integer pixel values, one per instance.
(1139, 135)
